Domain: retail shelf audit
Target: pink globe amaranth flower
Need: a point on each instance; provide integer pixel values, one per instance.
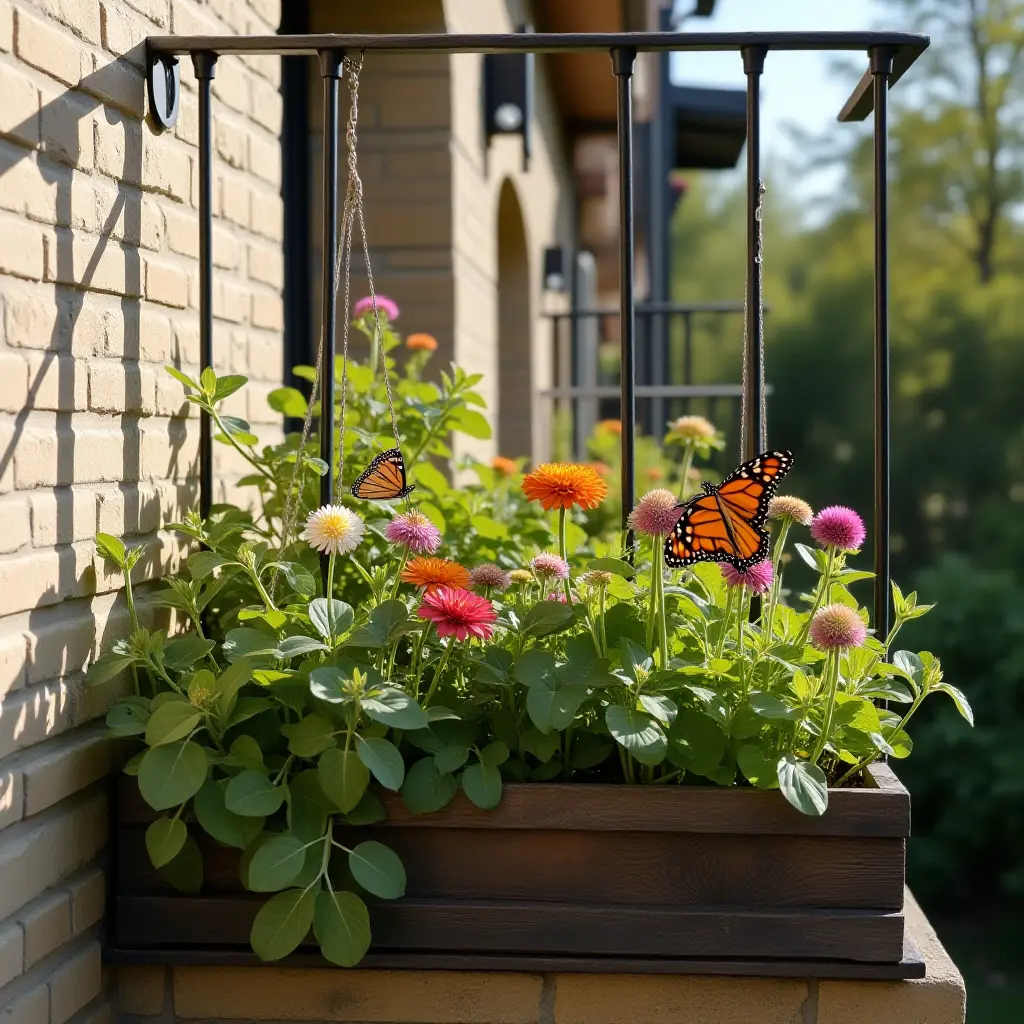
(839, 527)
(413, 530)
(550, 567)
(384, 305)
(490, 576)
(837, 627)
(758, 577)
(459, 613)
(656, 513)
(558, 596)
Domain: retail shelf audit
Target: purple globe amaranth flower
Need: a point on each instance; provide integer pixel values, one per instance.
(839, 527)
(384, 305)
(837, 627)
(758, 577)
(413, 530)
(550, 567)
(489, 576)
(655, 513)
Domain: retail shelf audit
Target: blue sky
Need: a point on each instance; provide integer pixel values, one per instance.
(799, 87)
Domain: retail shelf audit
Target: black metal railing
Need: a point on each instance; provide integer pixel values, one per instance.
(586, 391)
(890, 54)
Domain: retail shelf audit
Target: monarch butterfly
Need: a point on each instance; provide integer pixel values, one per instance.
(384, 478)
(724, 524)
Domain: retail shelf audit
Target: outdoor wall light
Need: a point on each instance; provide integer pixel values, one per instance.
(508, 95)
(554, 269)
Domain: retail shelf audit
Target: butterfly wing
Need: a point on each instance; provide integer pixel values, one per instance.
(384, 478)
(747, 491)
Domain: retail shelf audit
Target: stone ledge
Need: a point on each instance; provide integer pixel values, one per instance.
(474, 997)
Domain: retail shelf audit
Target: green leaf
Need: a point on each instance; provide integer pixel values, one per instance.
(757, 767)
(482, 784)
(394, 708)
(425, 789)
(661, 708)
(343, 777)
(388, 621)
(767, 705)
(296, 646)
(230, 681)
(640, 734)
(547, 617)
(228, 385)
(246, 752)
(451, 759)
(469, 421)
(618, 566)
(816, 559)
(164, 839)
(309, 736)
(368, 811)
(184, 651)
(552, 704)
(202, 564)
(185, 872)
(249, 643)
(328, 683)
(383, 759)
(299, 578)
(958, 698)
(128, 717)
(426, 475)
(288, 402)
(276, 864)
(171, 773)
(803, 784)
(534, 666)
(623, 620)
(282, 923)
(308, 806)
(217, 821)
(494, 754)
(341, 925)
(378, 870)
(171, 721)
(343, 616)
(253, 795)
(698, 742)
(488, 528)
(111, 548)
(182, 378)
(106, 667)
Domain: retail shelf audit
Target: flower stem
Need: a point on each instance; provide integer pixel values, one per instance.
(658, 578)
(824, 586)
(401, 569)
(604, 634)
(685, 469)
(776, 591)
(435, 682)
(861, 765)
(725, 622)
(563, 553)
(330, 600)
(740, 636)
(832, 670)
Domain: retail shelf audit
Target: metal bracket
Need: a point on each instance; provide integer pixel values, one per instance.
(163, 80)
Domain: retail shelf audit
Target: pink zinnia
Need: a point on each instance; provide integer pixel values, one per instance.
(758, 577)
(839, 527)
(384, 305)
(490, 576)
(837, 627)
(656, 513)
(550, 567)
(459, 613)
(414, 531)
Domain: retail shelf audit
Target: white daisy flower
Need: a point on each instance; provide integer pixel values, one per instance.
(333, 530)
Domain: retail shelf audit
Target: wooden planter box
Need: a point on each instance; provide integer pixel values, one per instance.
(581, 877)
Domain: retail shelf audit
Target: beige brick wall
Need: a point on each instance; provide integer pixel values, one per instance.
(98, 290)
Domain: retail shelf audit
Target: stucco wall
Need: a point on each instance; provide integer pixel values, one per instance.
(99, 287)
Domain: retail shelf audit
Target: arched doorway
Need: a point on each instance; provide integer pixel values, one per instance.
(515, 341)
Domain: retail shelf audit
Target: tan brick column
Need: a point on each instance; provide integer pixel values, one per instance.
(98, 287)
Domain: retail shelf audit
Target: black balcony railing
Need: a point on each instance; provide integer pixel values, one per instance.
(889, 54)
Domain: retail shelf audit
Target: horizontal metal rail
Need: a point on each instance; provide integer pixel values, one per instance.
(651, 391)
(651, 309)
(906, 47)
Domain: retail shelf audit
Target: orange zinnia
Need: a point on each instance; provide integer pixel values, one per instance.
(436, 572)
(503, 466)
(655, 473)
(421, 343)
(600, 468)
(610, 426)
(564, 484)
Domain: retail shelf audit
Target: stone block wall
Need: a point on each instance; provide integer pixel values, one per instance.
(98, 291)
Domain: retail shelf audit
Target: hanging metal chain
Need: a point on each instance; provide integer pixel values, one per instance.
(759, 260)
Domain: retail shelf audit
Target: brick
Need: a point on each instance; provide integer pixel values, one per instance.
(426, 997)
(32, 1007)
(88, 900)
(19, 113)
(234, 199)
(13, 382)
(6, 26)
(230, 301)
(62, 516)
(667, 999)
(12, 799)
(166, 283)
(140, 990)
(13, 652)
(118, 147)
(151, 233)
(166, 167)
(56, 382)
(230, 142)
(46, 924)
(231, 86)
(31, 321)
(22, 253)
(82, 18)
(95, 264)
(41, 44)
(155, 338)
(267, 311)
(227, 250)
(12, 954)
(75, 983)
(266, 264)
(64, 767)
(66, 128)
(122, 32)
(31, 191)
(117, 84)
(17, 529)
(265, 158)
(182, 226)
(158, 11)
(266, 104)
(119, 387)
